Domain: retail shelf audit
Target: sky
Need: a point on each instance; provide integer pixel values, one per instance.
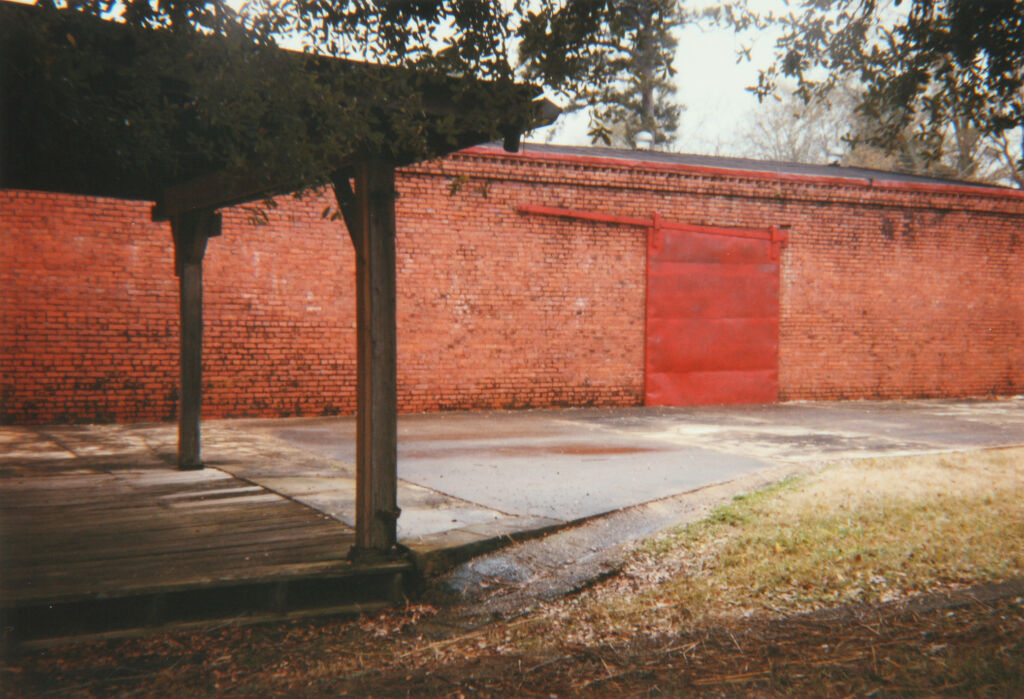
(711, 84)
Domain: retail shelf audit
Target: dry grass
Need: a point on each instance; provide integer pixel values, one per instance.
(860, 531)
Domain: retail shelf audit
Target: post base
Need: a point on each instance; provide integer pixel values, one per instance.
(359, 554)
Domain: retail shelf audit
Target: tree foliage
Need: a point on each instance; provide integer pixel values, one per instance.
(612, 57)
(827, 128)
(621, 70)
(787, 128)
(188, 86)
(927, 66)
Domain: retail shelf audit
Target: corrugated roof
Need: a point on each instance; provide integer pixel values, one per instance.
(742, 164)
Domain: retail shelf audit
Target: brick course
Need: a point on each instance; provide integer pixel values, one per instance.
(887, 291)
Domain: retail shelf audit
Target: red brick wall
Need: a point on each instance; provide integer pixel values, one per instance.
(90, 317)
(88, 326)
(886, 292)
(902, 301)
(279, 314)
(499, 310)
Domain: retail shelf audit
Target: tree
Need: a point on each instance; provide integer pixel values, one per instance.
(956, 150)
(927, 66)
(247, 107)
(624, 77)
(789, 129)
(827, 128)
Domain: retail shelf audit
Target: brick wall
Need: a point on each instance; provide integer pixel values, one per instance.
(886, 291)
(902, 301)
(90, 317)
(88, 327)
(499, 310)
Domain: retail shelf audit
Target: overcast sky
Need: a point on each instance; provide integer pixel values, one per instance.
(711, 85)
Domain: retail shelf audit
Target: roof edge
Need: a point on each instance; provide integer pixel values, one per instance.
(983, 190)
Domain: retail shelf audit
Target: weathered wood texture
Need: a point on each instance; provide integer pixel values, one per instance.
(377, 398)
(100, 535)
(191, 232)
(76, 533)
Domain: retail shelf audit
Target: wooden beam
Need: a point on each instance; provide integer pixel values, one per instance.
(219, 190)
(347, 204)
(191, 232)
(215, 191)
(373, 220)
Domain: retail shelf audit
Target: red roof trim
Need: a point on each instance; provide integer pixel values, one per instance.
(982, 190)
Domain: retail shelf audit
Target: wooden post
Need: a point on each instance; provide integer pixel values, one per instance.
(372, 215)
(191, 230)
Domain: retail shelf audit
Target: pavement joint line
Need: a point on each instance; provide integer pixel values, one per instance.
(277, 493)
(455, 497)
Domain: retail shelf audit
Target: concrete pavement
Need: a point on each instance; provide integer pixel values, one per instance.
(467, 478)
(469, 481)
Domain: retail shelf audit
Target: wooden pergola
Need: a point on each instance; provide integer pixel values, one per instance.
(34, 159)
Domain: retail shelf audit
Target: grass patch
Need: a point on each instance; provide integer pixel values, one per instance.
(859, 531)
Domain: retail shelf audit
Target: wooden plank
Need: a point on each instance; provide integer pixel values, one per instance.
(331, 569)
(77, 535)
(214, 191)
(151, 516)
(215, 559)
(168, 567)
(170, 542)
(114, 547)
(249, 619)
(97, 493)
(170, 557)
(191, 366)
(377, 414)
(156, 524)
(98, 545)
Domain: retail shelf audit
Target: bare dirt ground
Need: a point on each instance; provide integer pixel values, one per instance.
(966, 644)
(970, 643)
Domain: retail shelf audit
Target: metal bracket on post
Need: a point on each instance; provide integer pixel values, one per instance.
(656, 237)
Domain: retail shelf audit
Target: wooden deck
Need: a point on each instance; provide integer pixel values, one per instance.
(113, 541)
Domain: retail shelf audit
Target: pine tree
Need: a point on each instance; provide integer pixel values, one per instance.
(628, 84)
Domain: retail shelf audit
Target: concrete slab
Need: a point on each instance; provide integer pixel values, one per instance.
(469, 480)
(813, 431)
(570, 479)
(534, 463)
(324, 484)
(573, 464)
